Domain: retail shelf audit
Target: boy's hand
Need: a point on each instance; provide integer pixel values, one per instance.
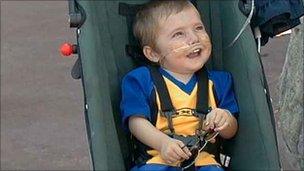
(173, 151)
(213, 140)
(217, 120)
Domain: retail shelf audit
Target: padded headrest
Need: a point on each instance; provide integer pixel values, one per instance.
(132, 49)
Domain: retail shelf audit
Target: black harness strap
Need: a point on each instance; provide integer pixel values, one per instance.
(202, 96)
(202, 91)
(129, 11)
(167, 109)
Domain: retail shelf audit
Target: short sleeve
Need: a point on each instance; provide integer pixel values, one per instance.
(223, 84)
(136, 89)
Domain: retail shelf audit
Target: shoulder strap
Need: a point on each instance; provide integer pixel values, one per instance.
(202, 91)
(164, 96)
(167, 108)
(202, 108)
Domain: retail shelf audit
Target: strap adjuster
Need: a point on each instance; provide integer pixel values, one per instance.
(169, 115)
(202, 113)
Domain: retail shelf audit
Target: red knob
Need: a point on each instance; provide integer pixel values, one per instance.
(67, 49)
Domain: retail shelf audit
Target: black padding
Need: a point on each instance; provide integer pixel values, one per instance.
(128, 9)
(136, 53)
(194, 2)
(133, 49)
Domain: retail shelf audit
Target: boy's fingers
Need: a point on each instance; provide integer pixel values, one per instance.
(169, 155)
(222, 122)
(210, 126)
(181, 153)
(225, 125)
(175, 158)
(187, 151)
(217, 119)
(184, 149)
(173, 155)
(205, 123)
(169, 161)
(178, 153)
(211, 116)
(212, 140)
(179, 143)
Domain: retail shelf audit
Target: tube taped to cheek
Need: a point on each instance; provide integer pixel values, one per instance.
(185, 49)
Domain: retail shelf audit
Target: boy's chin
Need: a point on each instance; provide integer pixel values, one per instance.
(201, 58)
(195, 68)
(198, 63)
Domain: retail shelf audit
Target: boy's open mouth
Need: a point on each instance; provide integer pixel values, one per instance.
(195, 53)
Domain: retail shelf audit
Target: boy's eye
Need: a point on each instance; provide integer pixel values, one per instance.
(177, 34)
(200, 28)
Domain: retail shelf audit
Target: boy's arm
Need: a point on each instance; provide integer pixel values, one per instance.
(170, 149)
(145, 132)
(220, 118)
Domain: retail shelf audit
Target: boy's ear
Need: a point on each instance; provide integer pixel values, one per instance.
(151, 54)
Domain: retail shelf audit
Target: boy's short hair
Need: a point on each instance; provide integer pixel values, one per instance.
(146, 24)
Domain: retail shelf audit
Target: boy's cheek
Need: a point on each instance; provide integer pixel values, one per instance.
(205, 40)
(178, 48)
(207, 47)
(178, 45)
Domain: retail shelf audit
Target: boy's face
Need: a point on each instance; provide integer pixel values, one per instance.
(183, 46)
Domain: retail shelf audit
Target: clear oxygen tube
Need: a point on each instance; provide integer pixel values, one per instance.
(185, 50)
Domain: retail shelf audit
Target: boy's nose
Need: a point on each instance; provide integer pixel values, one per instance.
(193, 38)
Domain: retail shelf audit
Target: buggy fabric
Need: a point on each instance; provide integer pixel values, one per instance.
(102, 40)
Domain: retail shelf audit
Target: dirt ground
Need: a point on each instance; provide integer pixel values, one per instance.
(42, 122)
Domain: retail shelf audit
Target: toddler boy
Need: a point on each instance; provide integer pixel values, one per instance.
(172, 35)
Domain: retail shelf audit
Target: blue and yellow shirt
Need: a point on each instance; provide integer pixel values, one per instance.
(137, 87)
